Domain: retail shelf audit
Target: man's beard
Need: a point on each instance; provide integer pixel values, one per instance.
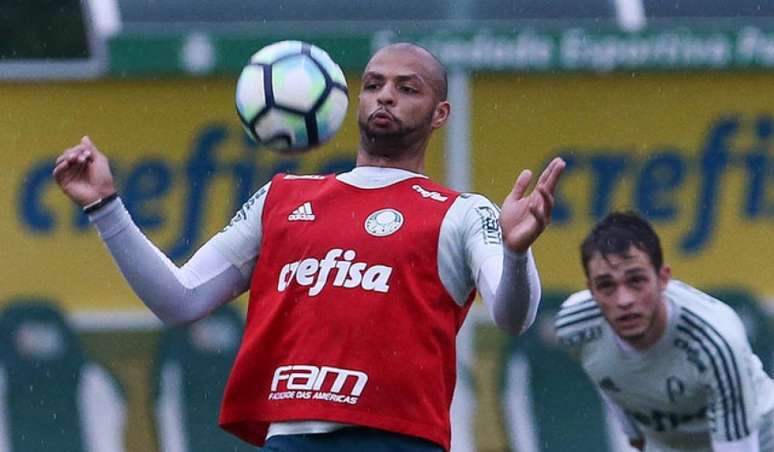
(642, 334)
(375, 135)
(386, 142)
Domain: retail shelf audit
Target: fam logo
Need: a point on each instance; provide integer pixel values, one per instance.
(383, 222)
(309, 382)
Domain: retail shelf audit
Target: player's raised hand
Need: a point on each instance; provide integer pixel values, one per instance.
(83, 173)
(524, 217)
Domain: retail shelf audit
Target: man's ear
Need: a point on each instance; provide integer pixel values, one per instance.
(441, 114)
(664, 276)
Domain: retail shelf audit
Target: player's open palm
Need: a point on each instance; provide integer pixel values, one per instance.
(524, 216)
(83, 173)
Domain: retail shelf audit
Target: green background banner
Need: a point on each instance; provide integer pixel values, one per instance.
(510, 49)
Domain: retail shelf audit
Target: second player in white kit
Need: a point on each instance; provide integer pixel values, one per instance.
(673, 363)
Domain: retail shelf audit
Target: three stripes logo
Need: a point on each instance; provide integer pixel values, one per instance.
(302, 213)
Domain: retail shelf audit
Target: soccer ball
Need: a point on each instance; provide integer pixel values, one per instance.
(291, 96)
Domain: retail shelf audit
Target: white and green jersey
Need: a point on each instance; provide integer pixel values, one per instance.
(699, 384)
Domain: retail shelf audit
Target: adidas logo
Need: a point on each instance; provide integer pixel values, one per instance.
(302, 213)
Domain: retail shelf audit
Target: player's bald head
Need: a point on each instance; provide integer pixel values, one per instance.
(434, 71)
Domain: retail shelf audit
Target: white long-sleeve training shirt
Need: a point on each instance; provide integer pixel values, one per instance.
(698, 388)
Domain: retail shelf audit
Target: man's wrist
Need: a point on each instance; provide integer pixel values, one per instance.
(93, 207)
(514, 255)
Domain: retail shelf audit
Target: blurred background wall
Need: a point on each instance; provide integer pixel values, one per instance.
(663, 107)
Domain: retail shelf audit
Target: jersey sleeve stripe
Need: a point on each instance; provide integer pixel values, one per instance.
(564, 323)
(724, 345)
(577, 308)
(720, 382)
(721, 385)
(723, 377)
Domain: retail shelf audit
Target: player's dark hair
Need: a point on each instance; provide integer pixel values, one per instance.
(616, 234)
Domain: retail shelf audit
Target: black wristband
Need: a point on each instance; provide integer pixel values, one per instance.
(98, 204)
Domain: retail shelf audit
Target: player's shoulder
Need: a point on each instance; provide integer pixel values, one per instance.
(704, 317)
(252, 208)
(479, 206)
(579, 320)
(474, 215)
(469, 203)
(697, 302)
(477, 198)
(428, 185)
(434, 193)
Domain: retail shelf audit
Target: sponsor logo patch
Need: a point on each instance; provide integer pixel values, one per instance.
(434, 195)
(339, 265)
(490, 225)
(302, 213)
(310, 382)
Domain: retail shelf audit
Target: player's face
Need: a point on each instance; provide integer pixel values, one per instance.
(397, 100)
(629, 291)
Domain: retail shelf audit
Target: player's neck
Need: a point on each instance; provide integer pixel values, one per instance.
(404, 152)
(413, 161)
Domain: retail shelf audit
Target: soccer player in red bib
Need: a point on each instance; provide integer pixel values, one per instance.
(358, 282)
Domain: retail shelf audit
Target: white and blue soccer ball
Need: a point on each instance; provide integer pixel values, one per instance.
(291, 96)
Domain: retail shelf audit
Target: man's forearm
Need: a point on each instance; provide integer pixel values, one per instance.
(514, 305)
(175, 295)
